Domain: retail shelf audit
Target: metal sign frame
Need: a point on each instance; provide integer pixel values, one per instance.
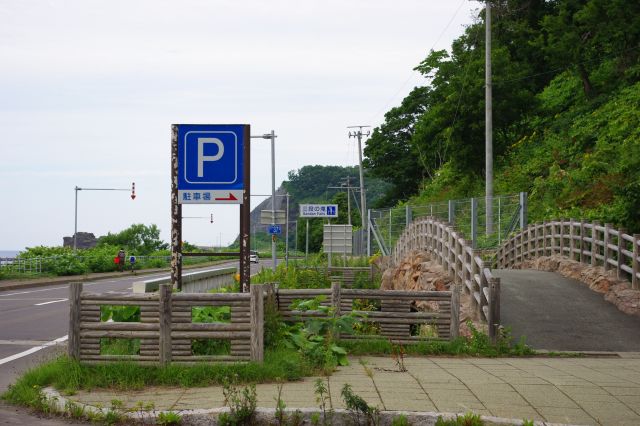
(243, 197)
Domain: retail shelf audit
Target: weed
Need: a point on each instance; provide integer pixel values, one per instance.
(169, 418)
(280, 415)
(400, 420)
(397, 353)
(469, 419)
(241, 402)
(323, 395)
(358, 407)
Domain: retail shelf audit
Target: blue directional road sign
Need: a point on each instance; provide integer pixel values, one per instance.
(275, 230)
(210, 163)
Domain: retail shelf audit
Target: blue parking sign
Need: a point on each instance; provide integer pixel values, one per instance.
(210, 163)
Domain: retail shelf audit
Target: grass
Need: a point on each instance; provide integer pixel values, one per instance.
(69, 376)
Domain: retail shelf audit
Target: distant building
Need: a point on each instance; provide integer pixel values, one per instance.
(86, 240)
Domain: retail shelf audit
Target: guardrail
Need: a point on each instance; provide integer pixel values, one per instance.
(166, 328)
(458, 258)
(192, 282)
(394, 318)
(588, 243)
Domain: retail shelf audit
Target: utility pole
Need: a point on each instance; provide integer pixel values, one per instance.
(348, 183)
(363, 201)
(488, 124)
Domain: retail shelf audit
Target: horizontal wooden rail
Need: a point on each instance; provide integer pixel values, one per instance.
(166, 328)
(589, 243)
(469, 272)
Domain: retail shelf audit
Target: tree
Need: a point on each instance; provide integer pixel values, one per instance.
(138, 238)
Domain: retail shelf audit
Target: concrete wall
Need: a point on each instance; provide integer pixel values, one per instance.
(193, 282)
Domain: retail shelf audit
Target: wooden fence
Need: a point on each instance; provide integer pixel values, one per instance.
(394, 318)
(589, 243)
(345, 274)
(459, 259)
(166, 329)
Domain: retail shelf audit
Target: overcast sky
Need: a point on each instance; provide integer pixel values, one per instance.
(89, 89)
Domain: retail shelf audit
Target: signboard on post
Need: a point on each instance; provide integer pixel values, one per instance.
(319, 210)
(267, 218)
(337, 239)
(275, 230)
(210, 163)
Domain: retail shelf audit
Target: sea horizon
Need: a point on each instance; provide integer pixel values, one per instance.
(9, 253)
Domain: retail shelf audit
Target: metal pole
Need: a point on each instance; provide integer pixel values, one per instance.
(286, 235)
(363, 198)
(368, 233)
(296, 245)
(75, 229)
(273, 198)
(349, 204)
(488, 123)
(245, 216)
(306, 250)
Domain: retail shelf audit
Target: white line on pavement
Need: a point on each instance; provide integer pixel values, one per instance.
(31, 291)
(33, 350)
(52, 301)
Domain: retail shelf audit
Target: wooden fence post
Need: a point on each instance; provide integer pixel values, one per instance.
(455, 311)
(73, 349)
(606, 252)
(581, 241)
(257, 322)
(635, 267)
(336, 298)
(165, 293)
(572, 244)
(594, 243)
(621, 247)
(494, 309)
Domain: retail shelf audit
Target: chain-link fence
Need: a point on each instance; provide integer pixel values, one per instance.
(468, 216)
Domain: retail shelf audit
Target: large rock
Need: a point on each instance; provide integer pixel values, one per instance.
(419, 271)
(615, 291)
(86, 240)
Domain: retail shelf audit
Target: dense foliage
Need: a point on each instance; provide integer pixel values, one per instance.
(566, 88)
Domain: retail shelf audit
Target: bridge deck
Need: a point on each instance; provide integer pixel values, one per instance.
(559, 313)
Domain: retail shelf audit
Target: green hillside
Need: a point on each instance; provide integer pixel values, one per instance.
(566, 99)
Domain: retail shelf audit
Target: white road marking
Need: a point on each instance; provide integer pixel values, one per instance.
(52, 301)
(33, 350)
(31, 291)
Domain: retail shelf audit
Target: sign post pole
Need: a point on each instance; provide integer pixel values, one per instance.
(245, 216)
(176, 215)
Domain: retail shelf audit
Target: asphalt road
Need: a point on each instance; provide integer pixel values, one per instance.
(37, 317)
(562, 314)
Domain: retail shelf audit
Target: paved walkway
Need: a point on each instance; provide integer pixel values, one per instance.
(560, 390)
(558, 313)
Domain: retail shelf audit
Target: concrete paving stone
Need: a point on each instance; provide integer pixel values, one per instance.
(511, 398)
(544, 395)
(622, 390)
(611, 412)
(574, 416)
(580, 390)
(514, 412)
(490, 388)
(444, 386)
(452, 394)
(586, 398)
(409, 405)
(459, 407)
(632, 401)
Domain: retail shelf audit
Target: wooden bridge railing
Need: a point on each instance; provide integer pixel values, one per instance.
(459, 259)
(589, 243)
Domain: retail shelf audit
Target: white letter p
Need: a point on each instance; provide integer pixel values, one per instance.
(202, 158)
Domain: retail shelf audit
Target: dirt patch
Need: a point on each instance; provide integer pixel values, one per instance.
(615, 291)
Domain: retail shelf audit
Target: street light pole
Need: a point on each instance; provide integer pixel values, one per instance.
(273, 137)
(488, 125)
(76, 189)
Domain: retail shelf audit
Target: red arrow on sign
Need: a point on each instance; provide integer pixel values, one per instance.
(230, 198)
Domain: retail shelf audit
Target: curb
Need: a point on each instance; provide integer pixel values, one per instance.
(197, 417)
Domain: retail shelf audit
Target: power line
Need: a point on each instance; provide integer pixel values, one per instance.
(413, 73)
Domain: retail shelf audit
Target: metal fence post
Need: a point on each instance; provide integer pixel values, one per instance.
(474, 222)
(452, 213)
(523, 210)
